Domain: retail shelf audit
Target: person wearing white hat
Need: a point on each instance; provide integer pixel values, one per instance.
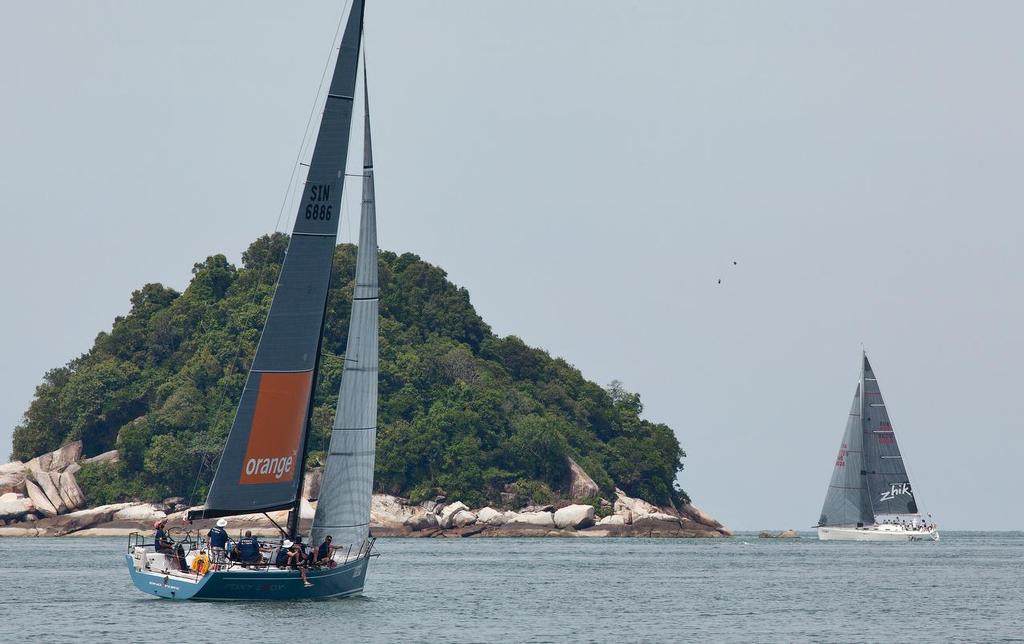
(297, 560)
(218, 540)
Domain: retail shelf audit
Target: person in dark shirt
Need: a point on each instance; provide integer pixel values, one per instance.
(218, 540)
(297, 561)
(161, 539)
(281, 560)
(248, 549)
(165, 545)
(325, 552)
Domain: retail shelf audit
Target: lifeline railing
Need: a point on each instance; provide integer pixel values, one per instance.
(189, 544)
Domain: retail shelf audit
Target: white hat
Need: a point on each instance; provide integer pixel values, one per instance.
(222, 523)
(287, 543)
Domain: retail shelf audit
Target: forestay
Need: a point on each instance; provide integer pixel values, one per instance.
(343, 510)
(261, 466)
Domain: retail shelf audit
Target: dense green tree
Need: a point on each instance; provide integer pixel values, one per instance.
(462, 413)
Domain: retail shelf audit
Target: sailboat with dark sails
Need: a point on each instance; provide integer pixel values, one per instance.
(261, 467)
(870, 497)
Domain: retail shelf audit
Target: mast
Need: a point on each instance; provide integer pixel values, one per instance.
(864, 490)
(260, 469)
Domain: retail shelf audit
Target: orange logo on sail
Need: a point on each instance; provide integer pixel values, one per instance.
(272, 455)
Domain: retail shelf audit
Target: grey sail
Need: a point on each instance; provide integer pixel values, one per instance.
(847, 502)
(343, 510)
(887, 480)
(261, 466)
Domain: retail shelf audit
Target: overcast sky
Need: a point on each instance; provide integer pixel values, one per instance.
(589, 171)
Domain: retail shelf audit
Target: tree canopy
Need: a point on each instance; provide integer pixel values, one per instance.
(462, 412)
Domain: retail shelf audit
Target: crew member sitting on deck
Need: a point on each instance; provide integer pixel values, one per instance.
(281, 559)
(297, 561)
(248, 549)
(325, 552)
(218, 540)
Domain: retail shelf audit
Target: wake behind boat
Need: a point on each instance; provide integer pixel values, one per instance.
(870, 497)
(261, 467)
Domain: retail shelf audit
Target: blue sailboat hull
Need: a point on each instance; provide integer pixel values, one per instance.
(253, 585)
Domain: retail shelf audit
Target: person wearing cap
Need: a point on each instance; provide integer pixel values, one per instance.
(165, 545)
(297, 560)
(218, 540)
(161, 539)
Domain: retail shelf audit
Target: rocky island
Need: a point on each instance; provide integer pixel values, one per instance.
(476, 434)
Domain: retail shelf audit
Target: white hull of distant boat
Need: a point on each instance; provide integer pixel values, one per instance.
(883, 532)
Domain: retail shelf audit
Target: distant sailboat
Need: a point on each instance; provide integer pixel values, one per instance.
(261, 468)
(870, 497)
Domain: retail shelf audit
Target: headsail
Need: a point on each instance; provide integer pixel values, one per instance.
(261, 466)
(887, 480)
(343, 510)
(847, 502)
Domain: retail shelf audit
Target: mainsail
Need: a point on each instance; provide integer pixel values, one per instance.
(887, 482)
(343, 510)
(847, 501)
(261, 466)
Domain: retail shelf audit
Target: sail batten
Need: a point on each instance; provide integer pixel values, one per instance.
(343, 511)
(260, 469)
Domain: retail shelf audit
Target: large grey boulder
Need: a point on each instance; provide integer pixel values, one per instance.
(700, 516)
(490, 516)
(612, 519)
(462, 518)
(65, 455)
(40, 463)
(47, 481)
(449, 512)
(12, 467)
(105, 457)
(574, 516)
(389, 511)
(81, 520)
(418, 522)
(14, 506)
(631, 509)
(12, 482)
(581, 486)
(539, 519)
(40, 500)
(147, 512)
(70, 493)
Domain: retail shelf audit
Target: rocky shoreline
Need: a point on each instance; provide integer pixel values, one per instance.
(41, 499)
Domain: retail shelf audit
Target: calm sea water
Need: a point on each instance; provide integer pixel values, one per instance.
(969, 586)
